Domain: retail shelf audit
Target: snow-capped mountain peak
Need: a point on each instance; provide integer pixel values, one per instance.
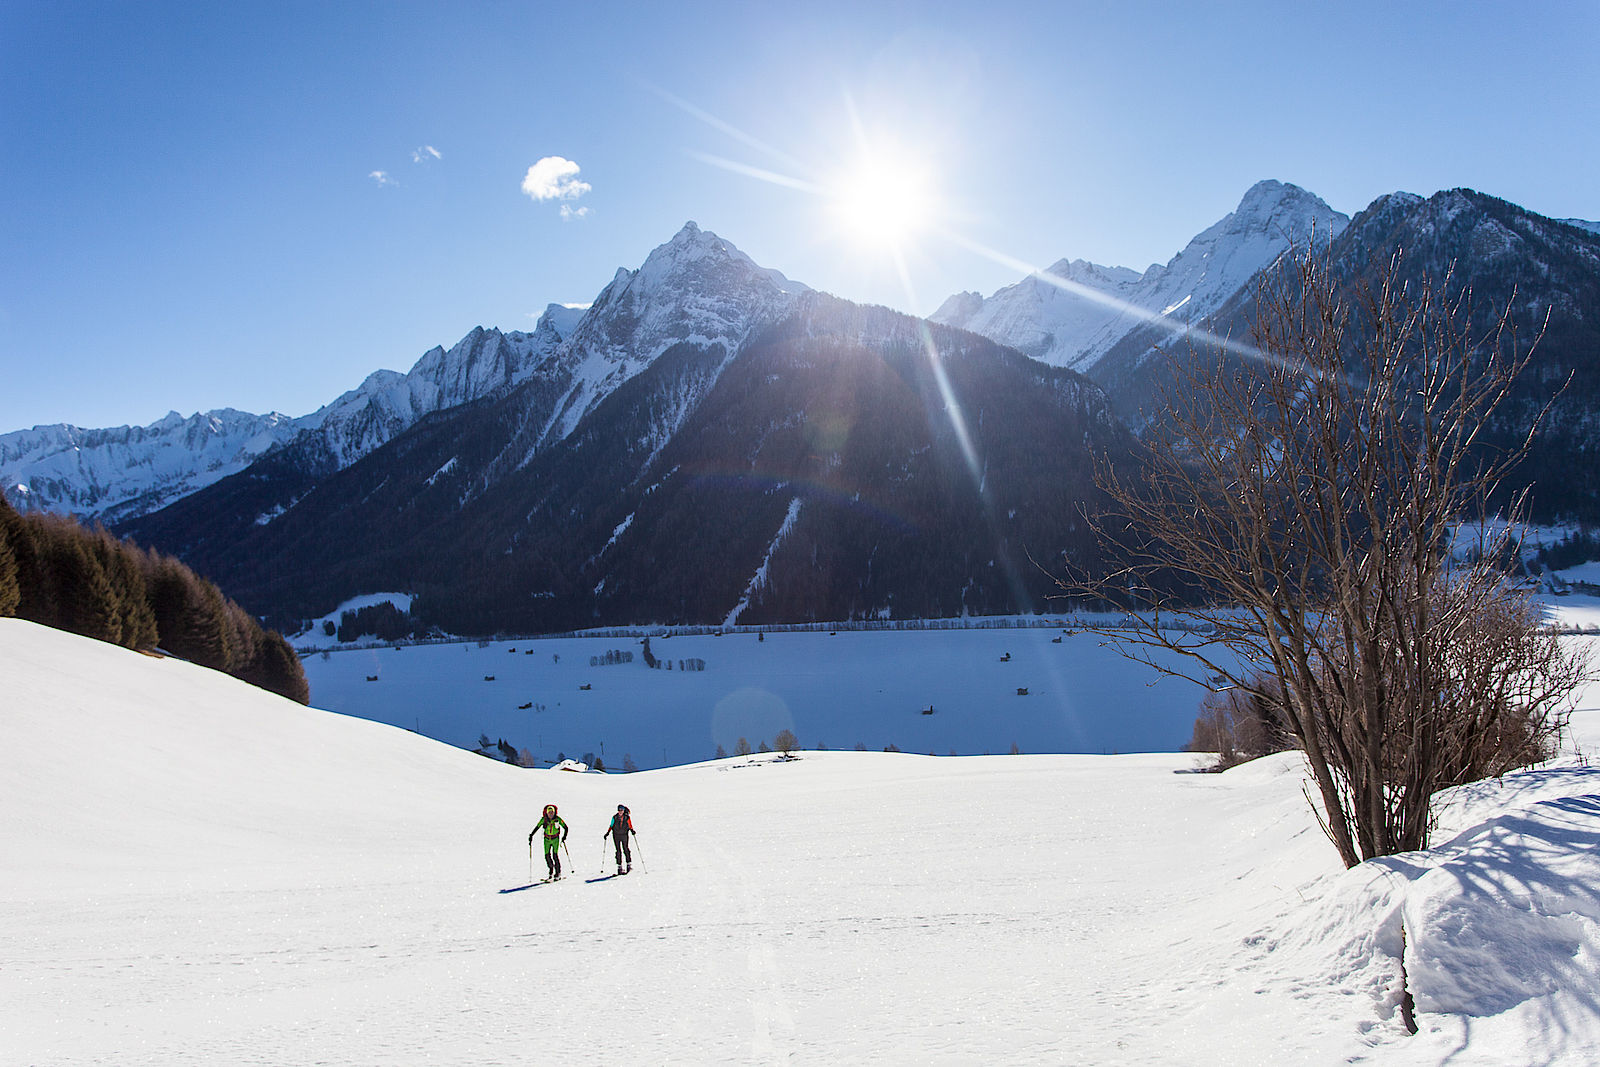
(697, 288)
(1050, 316)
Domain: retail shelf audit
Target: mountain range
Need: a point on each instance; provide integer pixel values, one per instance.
(710, 441)
(127, 471)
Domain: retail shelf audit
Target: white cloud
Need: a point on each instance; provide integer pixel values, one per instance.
(425, 153)
(554, 178)
(570, 212)
(382, 177)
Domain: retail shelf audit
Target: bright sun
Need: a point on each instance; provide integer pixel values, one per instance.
(884, 201)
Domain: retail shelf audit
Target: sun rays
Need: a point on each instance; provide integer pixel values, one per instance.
(883, 199)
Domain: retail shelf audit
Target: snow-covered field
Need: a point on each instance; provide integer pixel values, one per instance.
(196, 872)
(866, 688)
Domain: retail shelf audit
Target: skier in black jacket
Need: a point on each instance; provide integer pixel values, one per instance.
(619, 830)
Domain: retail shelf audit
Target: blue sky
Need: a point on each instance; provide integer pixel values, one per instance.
(235, 205)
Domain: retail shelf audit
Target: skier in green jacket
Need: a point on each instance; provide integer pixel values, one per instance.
(555, 832)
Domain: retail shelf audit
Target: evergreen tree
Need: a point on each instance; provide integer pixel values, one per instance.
(244, 637)
(162, 587)
(191, 615)
(276, 668)
(121, 564)
(86, 601)
(10, 588)
(211, 627)
(36, 591)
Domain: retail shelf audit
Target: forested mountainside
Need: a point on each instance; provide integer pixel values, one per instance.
(845, 462)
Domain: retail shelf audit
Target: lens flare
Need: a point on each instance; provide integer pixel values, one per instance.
(884, 202)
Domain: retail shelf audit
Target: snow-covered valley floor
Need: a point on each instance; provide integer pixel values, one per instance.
(196, 872)
(835, 690)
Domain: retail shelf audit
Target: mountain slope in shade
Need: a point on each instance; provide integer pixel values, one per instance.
(829, 467)
(1076, 324)
(690, 306)
(507, 397)
(1548, 273)
(1546, 270)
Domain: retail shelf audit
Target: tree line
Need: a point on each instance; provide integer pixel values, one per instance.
(58, 573)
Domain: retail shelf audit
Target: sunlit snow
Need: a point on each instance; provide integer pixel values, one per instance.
(194, 871)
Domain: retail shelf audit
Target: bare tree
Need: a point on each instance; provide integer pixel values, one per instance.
(1296, 534)
(1240, 725)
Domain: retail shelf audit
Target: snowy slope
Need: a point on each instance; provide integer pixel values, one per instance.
(1074, 326)
(193, 872)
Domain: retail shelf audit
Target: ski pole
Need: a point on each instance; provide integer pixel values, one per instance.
(602, 855)
(642, 868)
(530, 860)
(569, 854)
